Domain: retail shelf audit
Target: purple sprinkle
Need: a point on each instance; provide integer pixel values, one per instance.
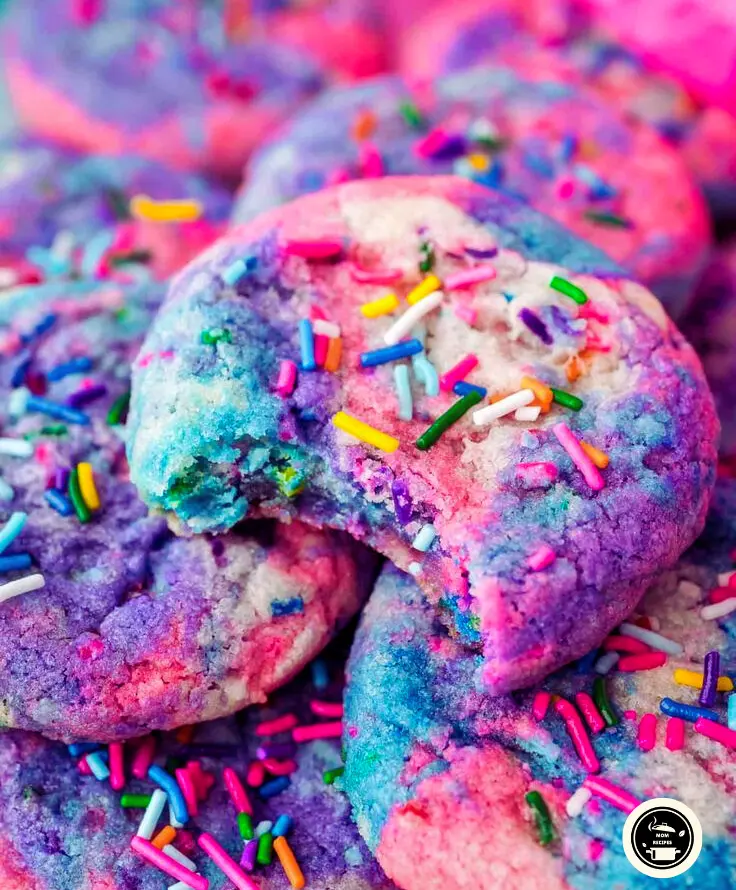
(562, 320)
(481, 254)
(248, 859)
(61, 478)
(536, 325)
(279, 750)
(84, 396)
(402, 500)
(711, 670)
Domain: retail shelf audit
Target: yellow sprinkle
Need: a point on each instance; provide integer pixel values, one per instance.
(381, 306)
(145, 208)
(695, 679)
(430, 284)
(478, 162)
(541, 391)
(364, 432)
(87, 486)
(599, 458)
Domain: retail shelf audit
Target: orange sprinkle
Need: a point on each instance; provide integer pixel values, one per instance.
(164, 837)
(334, 354)
(289, 863)
(542, 392)
(364, 125)
(478, 162)
(184, 734)
(599, 458)
(498, 396)
(574, 368)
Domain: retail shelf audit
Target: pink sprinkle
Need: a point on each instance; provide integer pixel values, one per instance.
(469, 277)
(317, 313)
(330, 709)
(647, 662)
(466, 314)
(721, 594)
(537, 473)
(235, 789)
(432, 143)
(287, 378)
(578, 734)
(227, 866)
(84, 767)
(590, 472)
(370, 160)
(117, 770)
(540, 706)
(565, 188)
(203, 781)
(166, 864)
(675, 738)
(595, 849)
(595, 344)
(593, 310)
(590, 712)
(86, 11)
(712, 730)
(279, 767)
(621, 643)
(321, 342)
(375, 276)
(630, 715)
(143, 757)
(458, 372)
(317, 731)
(614, 794)
(647, 736)
(188, 789)
(279, 724)
(542, 558)
(256, 774)
(320, 249)
(338, 175)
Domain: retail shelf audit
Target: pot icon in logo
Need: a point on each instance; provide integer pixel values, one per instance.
(662, 838)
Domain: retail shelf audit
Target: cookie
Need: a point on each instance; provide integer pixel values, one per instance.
(194, 86)
(65, 831)
(64, 214)
(492, 790)
(563, 45)
(608, 178)
(532, 547)
(113, 627)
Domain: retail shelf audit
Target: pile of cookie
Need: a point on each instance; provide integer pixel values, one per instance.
(364, 521)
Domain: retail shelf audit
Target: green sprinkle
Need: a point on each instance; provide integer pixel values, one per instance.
(600, 697)
(329, 775)
(133, 256)
(608, 219)
(426, 264)
(75, 493)
(412, 115)
(119, 409)
(541, 817)
(245, 826)
(216, 335)
(446, 420)
(569, 289)
(54, 429)
(135, 801)
(566, 399)
(264, 854)
(290, 481)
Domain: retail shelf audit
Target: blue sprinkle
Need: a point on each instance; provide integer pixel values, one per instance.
(59, 501)
(232, 275)
(732, 711)
(58, 412)
(6, 491)
(686, 712)
(391, 353)
(96, 762)
(538, 164)
(507, 296)
(279, 608)
(73, 366)
(320, 675)
(12, 528)
(403, 391)
(282, 826)
(173, 792)
(79, 748)
(41, 328)
(274, 787)
(492, 177)
(427, 375)
(424, 538)
(15, 561)
(568, 147)
(306, 344)
(461, 388)
(585, 665)
(19, 375)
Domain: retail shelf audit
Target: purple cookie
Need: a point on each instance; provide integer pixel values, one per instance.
(113, 627)
(60, 830)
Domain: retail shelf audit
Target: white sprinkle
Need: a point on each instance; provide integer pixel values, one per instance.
(401, 327)
(179, 857)
(530, 413)
(576, 804)
(6, 492)
(503, 407)
(173, 821)
(16, 447)
(180, 885)
(8, 277)
(328, 328)
(655, 640)
(606, 662)
(414, 568)
(152, 815)
(63, 245)
(18, 402)
(718, 610)
(263, 827)
(21, 585)
(724, 578)
(424, 538)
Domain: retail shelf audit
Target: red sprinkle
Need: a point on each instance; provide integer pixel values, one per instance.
(280, 724)
(646, 662)
(256, 774)
(279, 767)
(144, 757)
(620, 643)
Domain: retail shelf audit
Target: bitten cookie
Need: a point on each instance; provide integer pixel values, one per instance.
(532, 791)
(453, 379)
(567, 152)
(62, 830)
(112, 626)
(63, 214)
